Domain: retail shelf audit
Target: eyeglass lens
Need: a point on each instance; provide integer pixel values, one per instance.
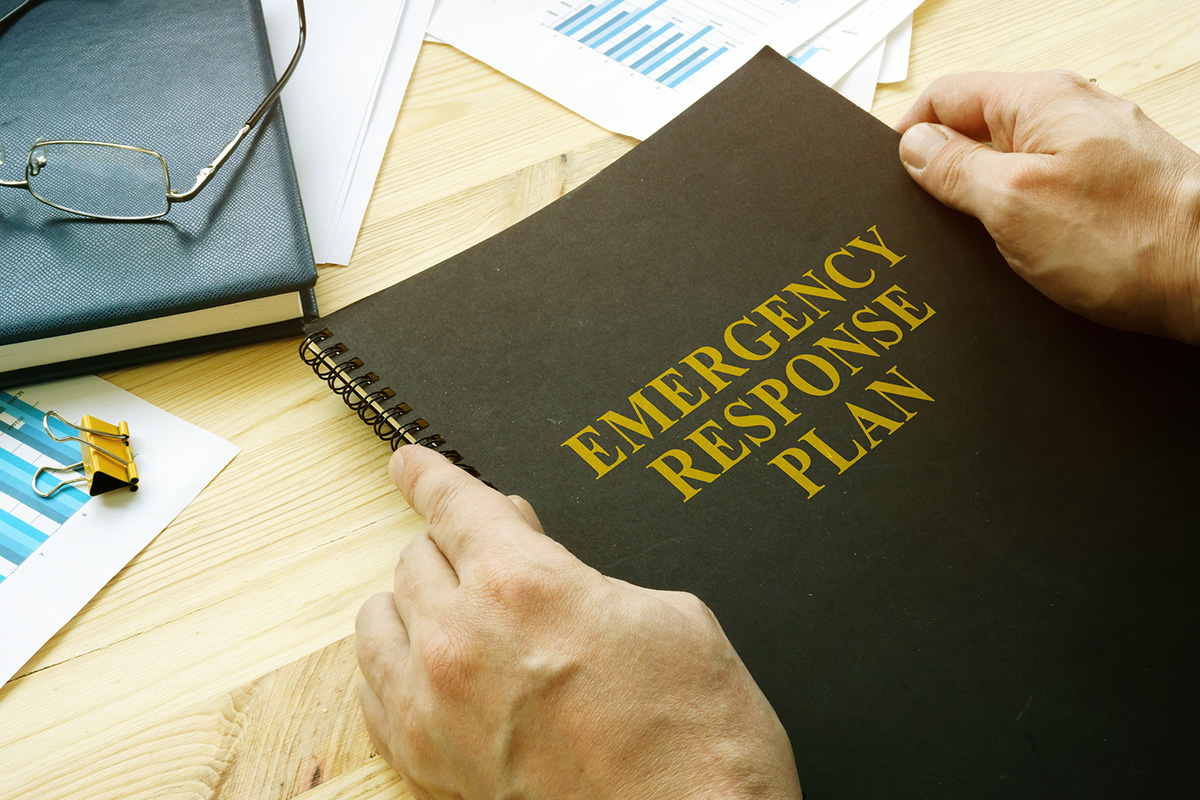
(98, 179)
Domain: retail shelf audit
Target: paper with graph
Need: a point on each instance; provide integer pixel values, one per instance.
(628, 65)
(56, 552)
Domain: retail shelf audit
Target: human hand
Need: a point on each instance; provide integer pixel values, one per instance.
(1087, 198)
(503, 667)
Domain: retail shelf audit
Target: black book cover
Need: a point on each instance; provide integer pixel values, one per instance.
(948, 526)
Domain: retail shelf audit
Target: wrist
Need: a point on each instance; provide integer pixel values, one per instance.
(767, 779)
(1186, 241)
(1192, 257)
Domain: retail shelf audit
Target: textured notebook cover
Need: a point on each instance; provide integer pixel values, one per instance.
(179, 78)
(993, 594)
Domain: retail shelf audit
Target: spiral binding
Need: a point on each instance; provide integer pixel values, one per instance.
(377, 406)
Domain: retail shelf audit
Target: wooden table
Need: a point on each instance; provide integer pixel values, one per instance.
(220, 663)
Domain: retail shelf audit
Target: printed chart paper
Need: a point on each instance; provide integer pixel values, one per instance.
(829, 56)
(630, 66)
(56, 553)
(27, 520)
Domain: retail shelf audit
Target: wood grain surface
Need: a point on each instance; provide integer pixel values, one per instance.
(220, 662)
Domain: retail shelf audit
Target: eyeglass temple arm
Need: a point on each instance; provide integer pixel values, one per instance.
(206, 174)
(14, 12)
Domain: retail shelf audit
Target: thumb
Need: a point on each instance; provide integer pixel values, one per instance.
(959, 171)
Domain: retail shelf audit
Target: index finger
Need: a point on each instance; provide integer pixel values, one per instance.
(997, 107)
(467, 519)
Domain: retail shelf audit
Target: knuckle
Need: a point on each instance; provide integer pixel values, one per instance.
(951, 166)
(367, 649)
(409, 740)
(412, 556)
(431, 489)
(415, 474)
(447, 663)
(414, 731)
(1074, 86)
(442, 498)
(944, 85)
(1007, 215)
(377, 658)
(518, 585)
(695, 605)
(404, 560)
(408, 571)
(695, 609)
(1129, 111)
(370, 608)
(1070, 81)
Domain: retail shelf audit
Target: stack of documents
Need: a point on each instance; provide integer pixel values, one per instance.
(632, 65)
(341, 104)
(628, 65)
(867, 46)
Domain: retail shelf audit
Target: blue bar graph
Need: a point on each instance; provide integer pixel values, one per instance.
(682, 65)
(696, 67)
(571, 20)
(666, 48)
(621, 45)
(654, 53)
(667, 56)
(605, 31)
(617, 28)
(23, 445)
(27, 429)
(587, 19)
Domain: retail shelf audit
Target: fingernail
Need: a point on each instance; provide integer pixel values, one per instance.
(921, 143)
(396, 467)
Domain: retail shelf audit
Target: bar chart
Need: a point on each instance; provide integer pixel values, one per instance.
(26, 519)
(628, 65)
(668, 41)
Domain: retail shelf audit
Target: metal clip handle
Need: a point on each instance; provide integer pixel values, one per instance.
(120, 437)
(72, 468)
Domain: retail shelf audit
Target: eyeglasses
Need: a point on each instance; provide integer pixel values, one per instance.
(104, 180)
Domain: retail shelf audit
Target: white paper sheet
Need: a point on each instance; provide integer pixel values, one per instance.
(832, 53)
(43, 584)
(628, 65)
(379, 125)
(858, 85)
(897, 53)
(341, 104)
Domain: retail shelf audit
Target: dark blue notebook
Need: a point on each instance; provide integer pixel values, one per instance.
(231, 266)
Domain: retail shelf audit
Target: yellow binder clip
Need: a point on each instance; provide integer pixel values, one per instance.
(107, 458)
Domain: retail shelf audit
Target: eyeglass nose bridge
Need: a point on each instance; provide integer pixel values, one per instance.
(37, 157)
